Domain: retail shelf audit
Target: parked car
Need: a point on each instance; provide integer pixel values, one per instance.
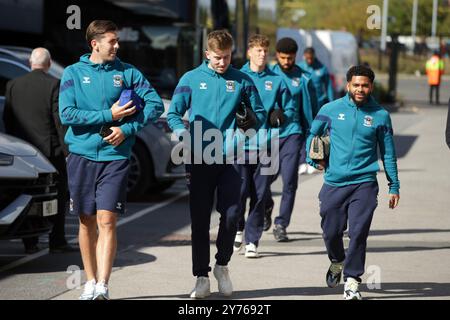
(151, 168)
(337, 50)
(28, 193)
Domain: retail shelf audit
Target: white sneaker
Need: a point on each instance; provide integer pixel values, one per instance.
(201, 289)
(251, 251)
(312, 170)
(89, 291)
(238, 241)
(101, 291)
(351, 290)
(303, 168)
(223, 279)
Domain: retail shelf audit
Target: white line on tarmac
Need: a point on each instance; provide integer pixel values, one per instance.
(24, 260)
(143, 212)
(12, 255)
(131, 218)
(72, 225)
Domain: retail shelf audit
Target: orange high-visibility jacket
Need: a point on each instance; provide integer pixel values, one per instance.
(435, 69)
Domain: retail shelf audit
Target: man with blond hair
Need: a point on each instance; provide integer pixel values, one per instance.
(213, 93)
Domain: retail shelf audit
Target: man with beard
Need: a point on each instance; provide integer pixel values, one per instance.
(321, 80)
(357, 127)
(294, 133)
(320, 76)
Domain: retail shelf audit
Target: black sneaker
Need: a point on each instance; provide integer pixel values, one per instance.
(334, 274)
(268, 218)
(279, 232)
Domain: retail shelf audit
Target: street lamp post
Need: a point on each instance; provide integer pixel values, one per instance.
(414, 24)
(382, 48)
(384, 25)
(434, 22)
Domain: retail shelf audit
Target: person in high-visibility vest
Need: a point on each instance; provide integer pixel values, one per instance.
(435, 69)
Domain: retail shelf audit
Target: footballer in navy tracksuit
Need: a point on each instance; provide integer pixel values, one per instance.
(320, 77)
(358, 126)
(291, 139)
(321, 81)
(274, 95)
(212, 94)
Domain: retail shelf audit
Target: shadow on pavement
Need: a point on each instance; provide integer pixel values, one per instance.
(387, 291)
(60, 262)
(253, 294)
(412, 290)
(143, 232)
(406, 249)
(405, 231)
(271, 254)
(305, 233)
(403, 144)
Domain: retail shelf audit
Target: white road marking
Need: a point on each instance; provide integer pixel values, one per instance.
(123, 221)
(12, 255)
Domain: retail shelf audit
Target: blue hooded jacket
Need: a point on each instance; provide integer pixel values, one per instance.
(304, 99)
(355, 134)
(321, 80)
(212, 100)
(274, 95)
(87, 92)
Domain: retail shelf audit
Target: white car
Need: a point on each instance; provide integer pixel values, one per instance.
(151, 168)
(337, 50)
(28, 193)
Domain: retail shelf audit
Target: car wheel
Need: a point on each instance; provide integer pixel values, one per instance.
(141, 174)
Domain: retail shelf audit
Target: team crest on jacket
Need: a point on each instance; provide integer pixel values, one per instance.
(117, 80)
(203, 86)
(295, 82)
(230, 86)
(368, 121)
(268, 85)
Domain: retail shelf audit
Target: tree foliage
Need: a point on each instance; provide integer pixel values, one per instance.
(351, 15)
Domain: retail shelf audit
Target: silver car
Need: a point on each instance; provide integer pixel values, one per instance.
(151, 168)
(28, 193)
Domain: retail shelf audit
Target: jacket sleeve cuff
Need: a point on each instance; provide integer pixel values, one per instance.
(126, 130)
(107, 115)
(394, 191)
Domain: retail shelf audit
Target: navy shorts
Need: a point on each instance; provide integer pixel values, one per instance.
(97, 185)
